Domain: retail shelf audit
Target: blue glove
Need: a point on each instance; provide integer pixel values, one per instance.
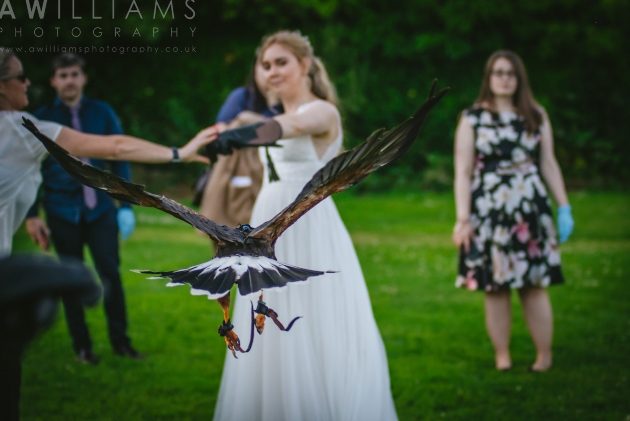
(126, 222)
(565, 222)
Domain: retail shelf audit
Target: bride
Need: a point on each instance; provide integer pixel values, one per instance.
(332, 364)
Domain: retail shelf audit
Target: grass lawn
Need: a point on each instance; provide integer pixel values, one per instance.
(440, 359)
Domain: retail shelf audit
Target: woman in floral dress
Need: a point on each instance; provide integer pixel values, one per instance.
(505, 230)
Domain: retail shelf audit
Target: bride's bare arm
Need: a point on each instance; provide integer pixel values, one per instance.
(319, 120)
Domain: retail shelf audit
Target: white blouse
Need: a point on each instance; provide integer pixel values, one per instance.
(20, 157)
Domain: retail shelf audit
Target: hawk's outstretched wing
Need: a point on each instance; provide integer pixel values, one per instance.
(120, 189)
(350, 168)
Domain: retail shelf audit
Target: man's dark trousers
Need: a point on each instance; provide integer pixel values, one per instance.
(101, 236)
(73, 222)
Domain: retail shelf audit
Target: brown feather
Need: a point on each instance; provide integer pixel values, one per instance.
(120, 189)
(350, 168)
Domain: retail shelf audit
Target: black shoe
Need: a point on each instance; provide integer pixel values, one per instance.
(86, 356)
(128, 351)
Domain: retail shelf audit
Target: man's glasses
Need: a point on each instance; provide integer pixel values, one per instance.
(21, 76)
(500, 73)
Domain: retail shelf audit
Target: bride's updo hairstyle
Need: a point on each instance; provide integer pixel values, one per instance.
(301, 47)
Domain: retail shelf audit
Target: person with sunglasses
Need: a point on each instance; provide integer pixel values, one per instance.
(21, 153)
(21, 76)
(504, 167)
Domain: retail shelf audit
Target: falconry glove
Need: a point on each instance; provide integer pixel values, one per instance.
(264, 133)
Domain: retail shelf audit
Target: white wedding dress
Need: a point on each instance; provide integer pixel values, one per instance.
(332, 364)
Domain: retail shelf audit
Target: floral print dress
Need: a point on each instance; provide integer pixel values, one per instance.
(515, 243)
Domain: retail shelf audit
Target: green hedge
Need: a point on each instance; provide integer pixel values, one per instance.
(382, 56)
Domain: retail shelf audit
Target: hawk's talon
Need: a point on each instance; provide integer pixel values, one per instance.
(226, 330)
(231, 339)
(233, 343)
(259, 320)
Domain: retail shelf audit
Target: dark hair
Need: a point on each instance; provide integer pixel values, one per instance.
(5, 56)
(64, 60)
(523, 99)
(256, 101)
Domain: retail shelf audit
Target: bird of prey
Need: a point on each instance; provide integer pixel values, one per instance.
(245, 255)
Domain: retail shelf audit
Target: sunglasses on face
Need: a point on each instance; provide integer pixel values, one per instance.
(21, 76)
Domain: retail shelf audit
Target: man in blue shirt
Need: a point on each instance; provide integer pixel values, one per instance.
(78, 215)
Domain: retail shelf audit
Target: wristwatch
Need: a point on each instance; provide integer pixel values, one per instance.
(175, 154)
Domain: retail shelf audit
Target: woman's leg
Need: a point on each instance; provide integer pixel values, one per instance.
(539, 318)
(499, 323)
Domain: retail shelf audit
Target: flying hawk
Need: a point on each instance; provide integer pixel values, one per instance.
(245, 254)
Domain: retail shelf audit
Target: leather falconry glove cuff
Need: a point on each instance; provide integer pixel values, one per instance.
(250, 136)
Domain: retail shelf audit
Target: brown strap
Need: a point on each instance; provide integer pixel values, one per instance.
(274, 317)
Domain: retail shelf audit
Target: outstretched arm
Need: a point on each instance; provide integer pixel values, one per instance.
(318, 120)
(128, 148)
(120, 189)
(350, 168)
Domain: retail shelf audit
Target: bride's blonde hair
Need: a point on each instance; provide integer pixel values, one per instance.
(301, 47)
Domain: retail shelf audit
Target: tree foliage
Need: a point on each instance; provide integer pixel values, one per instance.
(381, 55)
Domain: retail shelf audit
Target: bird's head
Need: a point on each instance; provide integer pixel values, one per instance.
(245, 228)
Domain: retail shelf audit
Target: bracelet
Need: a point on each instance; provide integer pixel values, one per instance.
(175, 154)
